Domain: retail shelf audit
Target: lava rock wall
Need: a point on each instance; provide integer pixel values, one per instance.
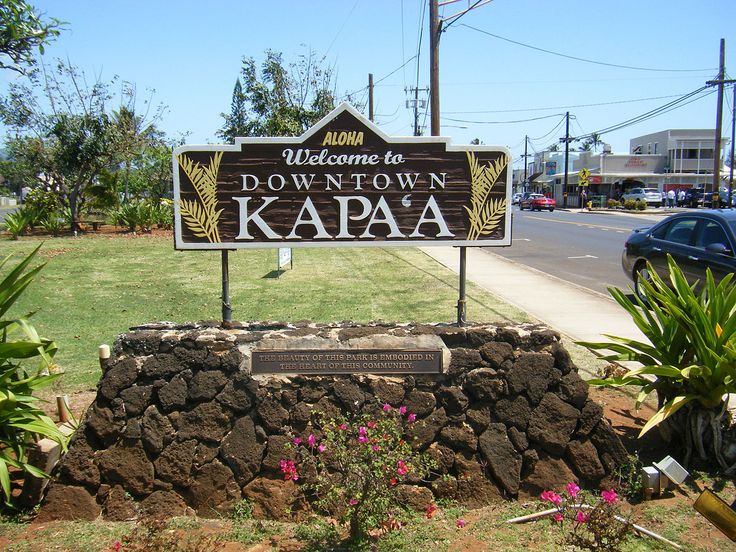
(180, 424)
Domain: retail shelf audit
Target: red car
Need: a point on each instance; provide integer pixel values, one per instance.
(538, 202)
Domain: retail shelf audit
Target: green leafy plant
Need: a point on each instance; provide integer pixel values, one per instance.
(689, 361)
(641, 205)
(613, 204)
(629, 204)
(355, 468)
(16, 223)
(52, 224)
(597, 526)
(21, 420)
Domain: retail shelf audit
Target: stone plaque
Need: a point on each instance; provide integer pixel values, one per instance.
(347, 361)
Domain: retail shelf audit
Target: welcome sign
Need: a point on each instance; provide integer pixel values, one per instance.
(343, 183)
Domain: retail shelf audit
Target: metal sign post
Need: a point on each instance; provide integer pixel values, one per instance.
(227, 311)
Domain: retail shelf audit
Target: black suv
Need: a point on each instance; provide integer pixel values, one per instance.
(693, 197)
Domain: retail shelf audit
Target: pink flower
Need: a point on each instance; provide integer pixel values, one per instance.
(552, 497)
(412, 418)
(430, 510)
(362, 431)
(572, 489)
(371, 424)
(402, 410)
(343, 427)
(297, 441)
(288, 468)
(362, 439)
(402, 468)
(609, 496)
(393, 481)
(387, 407)
(460, 523)
(557, 518)
(311, 440)
(117, 545)
(353, 501)
(376, 448)
(581, 517)
(321, 448)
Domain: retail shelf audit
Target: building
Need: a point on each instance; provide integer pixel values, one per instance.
(670, 159)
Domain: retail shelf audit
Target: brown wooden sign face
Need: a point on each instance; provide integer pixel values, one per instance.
(343, 183)
(346, 361)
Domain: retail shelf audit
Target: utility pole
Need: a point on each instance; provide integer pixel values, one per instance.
(733, 136)
(526, 143)
(416, 104)
(566, 139)
(434, 65)
(370, 96)
(719, 127)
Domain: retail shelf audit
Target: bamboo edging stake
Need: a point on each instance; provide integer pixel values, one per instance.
(636, 527)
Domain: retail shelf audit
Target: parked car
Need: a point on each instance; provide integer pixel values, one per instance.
(652, 196)
(538, 202)
(516, 197)
(696, 241)
(693, 197)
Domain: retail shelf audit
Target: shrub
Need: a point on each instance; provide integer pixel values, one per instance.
(641, 205)
(21, 420)
(16, 223)
(613, 204)
(689, 362)
(52, 223)
(591, 527)
(41, 203)
(355, 468)
(630, 204)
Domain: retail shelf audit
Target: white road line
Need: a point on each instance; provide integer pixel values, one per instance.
(584, 257)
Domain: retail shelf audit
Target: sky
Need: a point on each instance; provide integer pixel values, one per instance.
(503, 71)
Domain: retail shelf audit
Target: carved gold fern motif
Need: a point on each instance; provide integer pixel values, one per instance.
(485, 213)
(201, 215)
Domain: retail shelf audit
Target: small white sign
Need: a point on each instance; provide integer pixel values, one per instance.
(284, 256)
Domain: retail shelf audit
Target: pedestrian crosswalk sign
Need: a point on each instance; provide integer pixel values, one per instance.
(583, 176)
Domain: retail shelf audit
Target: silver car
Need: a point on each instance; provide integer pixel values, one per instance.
(651, 195)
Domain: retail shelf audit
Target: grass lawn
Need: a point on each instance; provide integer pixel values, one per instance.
(95, 287)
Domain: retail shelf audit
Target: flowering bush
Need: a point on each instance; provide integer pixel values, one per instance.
(597, 526)
(353, 466)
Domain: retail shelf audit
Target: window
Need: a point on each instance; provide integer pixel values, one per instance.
(711, 232)
(681, 231)
(656, 144)
(649, 148)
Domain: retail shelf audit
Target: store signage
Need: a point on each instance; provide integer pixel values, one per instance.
(343, 183)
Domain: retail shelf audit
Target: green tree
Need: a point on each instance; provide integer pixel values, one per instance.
(22, 33)
(130, 131)
(236, 123)
(285, 101)
(64, 136)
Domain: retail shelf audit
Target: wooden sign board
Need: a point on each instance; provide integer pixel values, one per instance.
(342, 183)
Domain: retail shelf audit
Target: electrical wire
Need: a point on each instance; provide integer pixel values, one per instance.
(631, 67)
(364, 88)
(341, 28)
(500, 122)
(557, 126)
(693, 96)
(563, 106)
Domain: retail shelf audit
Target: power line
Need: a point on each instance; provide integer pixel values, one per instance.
(564, 106)
(675, 104)
(583, 59)
(557, 126)
(363, 88)
(500, 122)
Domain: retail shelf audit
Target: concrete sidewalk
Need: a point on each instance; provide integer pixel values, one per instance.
(577, 312)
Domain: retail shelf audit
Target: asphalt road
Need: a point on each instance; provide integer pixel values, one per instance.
(580, 247)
